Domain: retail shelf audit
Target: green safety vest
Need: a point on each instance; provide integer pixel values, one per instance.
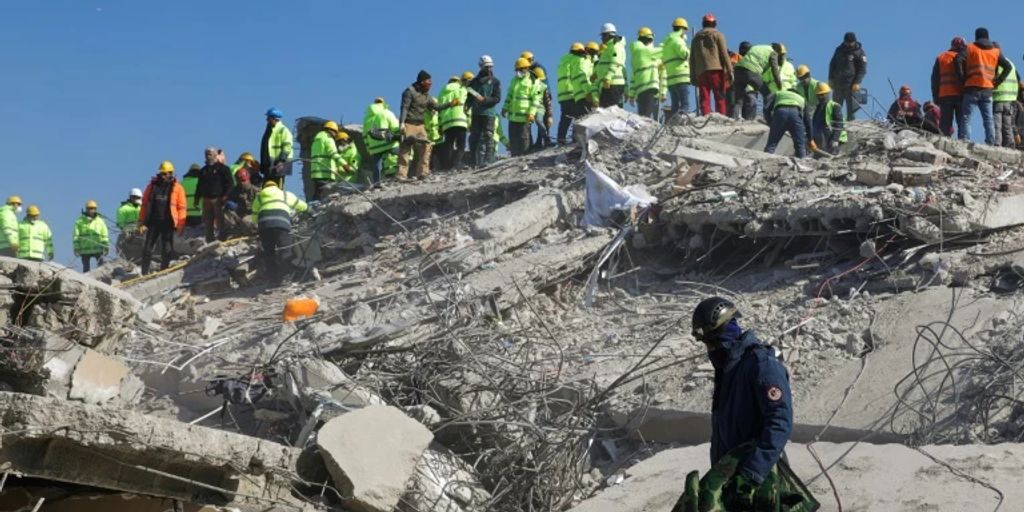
(787, 75)
(519, 100)
(127, 216)
(645, 67)
(324, 157)
(378, 117)
(611, 64)
(453, 116)
(8, 227)
(789, 99)
(757, 59)
(273, 208)
(432, 126)
(809, 91)
(1007, 91)
(35, 241)
(675, 55)
(581, 73)
(190, 183)
(539, 88)
(565, 84)
(280, 143)
(350, 155)
(830, 108)
(91, 236)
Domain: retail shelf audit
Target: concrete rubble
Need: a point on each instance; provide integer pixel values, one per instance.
(479, 346)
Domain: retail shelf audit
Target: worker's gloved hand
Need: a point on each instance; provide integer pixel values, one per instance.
(549, 122)
(745, 489)
(142, 230)
(530, 118)
(456, 102)
(855, 88)
(606, 84)
(813, 146)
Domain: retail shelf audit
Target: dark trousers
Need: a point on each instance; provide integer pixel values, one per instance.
(953, 110)
(452, 147)
(481, 140)
(748, 101)
(787, 120)
(164, 235)
(612, 96)
(568, 108)
(195, 220)
(647, 104)
(213, 218)
(377, 161)
(9, 252)
(844, 96)
(318, 187)
(275, 243)
(518, 138)
(679, 98)
(543, 139)
(86, 258)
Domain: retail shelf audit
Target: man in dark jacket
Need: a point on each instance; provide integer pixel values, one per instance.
(752, 400)
(215, 182)
(846, 72)
(484, 96)
(416, 104)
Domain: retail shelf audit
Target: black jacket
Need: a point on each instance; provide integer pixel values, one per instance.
(489, 87)
(848, 66)
(985, 44)
(214, 181)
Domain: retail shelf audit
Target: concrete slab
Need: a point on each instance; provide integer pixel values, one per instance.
(97, 378)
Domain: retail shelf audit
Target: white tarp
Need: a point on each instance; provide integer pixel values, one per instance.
(605, 196)
(614, 120)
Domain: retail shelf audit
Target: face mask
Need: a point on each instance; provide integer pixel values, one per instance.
(521, 74)
(17, 209)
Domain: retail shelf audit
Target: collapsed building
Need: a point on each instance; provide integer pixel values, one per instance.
(516, 337)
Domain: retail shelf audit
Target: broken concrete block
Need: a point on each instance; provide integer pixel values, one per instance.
(372, 454)
(710, 158)
(97, 378)
(914, 176)
(926, 154)
(153, 313)
(872, 174)
(444, 483)
(210, 326)
(359, 313)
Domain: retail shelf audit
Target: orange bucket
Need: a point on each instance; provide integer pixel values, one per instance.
(300, 307)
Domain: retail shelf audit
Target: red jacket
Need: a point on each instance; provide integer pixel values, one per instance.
(178, 208)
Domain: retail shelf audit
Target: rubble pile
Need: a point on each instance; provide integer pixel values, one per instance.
(516, 337)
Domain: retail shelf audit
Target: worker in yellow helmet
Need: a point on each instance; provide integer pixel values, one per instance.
(35, 240)
(9, 227)
(675, 56)
(272, 211)
(324, 159)
(351, 160)
(520, 108)
(647, 81)
(91, 239)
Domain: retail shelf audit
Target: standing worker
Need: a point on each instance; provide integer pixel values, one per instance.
(948, 89)
(484, 96)
(520, 109)
(91, 239)
(610, 70)
(1004, 105)
(417, 103)
(544, 117)
(275, 148)
(272, 212)
(190, 182)
(454, 120)
(846, 72)
(324, 158)
(215, 182)
(977, 67)
(760, 64)
(583, 92)
(9, 227)
(35, 240)
(828, 122)
(128, 212)
(786, 109)
(647, 82)
(381, 135)
(675, 55)
(709, 62)
(162, 213)
(566, 91)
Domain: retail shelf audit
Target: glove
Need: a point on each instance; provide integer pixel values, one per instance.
(142, 230)
(456, 102)
(606, 84)
(549, 122)
(855, 88)
(530, 118)
(745, 488)
(813, 146)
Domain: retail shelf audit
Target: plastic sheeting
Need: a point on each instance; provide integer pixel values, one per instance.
(605, 196)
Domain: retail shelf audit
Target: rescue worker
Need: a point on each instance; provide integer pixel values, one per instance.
(275, 148)
(272, 212)
(730, 98)
(977, 67)
(352, 160)
(247, 162)
(752, 405)
(380, 128)
(520, 109)
(454, 122)
(324, 158)
(829, 125)
(544, 117)
(35, 240)
(128, 212)
(905, 111)
(416, 104)
(948, 89)
(593, 52)
(91, 239)
(565, 89)
(1004, 106)
(610, 70)
(215, 181)
(709, 62)
(1019, 118)
(932, 118)
(9, 227)
(786, 116)
(583, 92)
(757, 63)
(190, 182)
(807, 87)
(484, 97)
(647, 82)
(238, 207)
(846, 73)
(675, 56)
(162, 214)
(432, 125)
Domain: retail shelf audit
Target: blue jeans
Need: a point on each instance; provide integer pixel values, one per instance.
(378, 167)
(679, 96)
(787, 119)
(983, 99)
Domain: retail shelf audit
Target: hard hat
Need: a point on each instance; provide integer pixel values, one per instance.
(608, 28)
(166, 166)
(331, 125)
(958, 43)
(467, 76)
(194, 167)
(247, 156)
(486, 61)
(135, 193)
(802, 71)
(711, 315)
(645, 32)
(539, 73)
(342, 135)
(709, 18)
(454, 78)
(577, 47)
(680, 23)
(269, 183)
(378, 99)
(275, 113)
(593, 46)
(779, 48)
(33, 211)
(528, 55)
(823, 88)
(14, 200)
(522, 63)
(905, 90)
(91, 204)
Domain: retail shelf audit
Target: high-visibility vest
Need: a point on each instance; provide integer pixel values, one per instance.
(830, 108)
(190, 183)
(280, 143)
(35, 241)
(273, 208)
(980, 67)
(431, 125)
(565, 84)
(675, 56)
(519, 101)
(127, 216)
(809, 91)
(949, 81)
(645, 63)
(1007, 91)
(539, 88)
(324, 157)
(611, 64)
(379, 117)
(8, 227)
(757, 58)
(787, 75)
(350, 155)
(581, 73)
(453, 116)
(91, 236)
(789, 99)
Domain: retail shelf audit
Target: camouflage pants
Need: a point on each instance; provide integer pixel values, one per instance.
(782, 490)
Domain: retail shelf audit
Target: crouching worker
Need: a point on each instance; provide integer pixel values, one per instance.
(751, 421)
(272, 212)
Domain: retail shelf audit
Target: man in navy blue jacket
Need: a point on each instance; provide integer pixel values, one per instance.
(752, 400)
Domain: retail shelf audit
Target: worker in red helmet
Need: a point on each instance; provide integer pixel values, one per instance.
(948, 89)
(710, 63)
(906, 111)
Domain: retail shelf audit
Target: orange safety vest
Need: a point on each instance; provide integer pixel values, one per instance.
(980, 67)
(949, 81)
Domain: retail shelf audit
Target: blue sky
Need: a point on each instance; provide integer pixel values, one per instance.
(95, 94)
